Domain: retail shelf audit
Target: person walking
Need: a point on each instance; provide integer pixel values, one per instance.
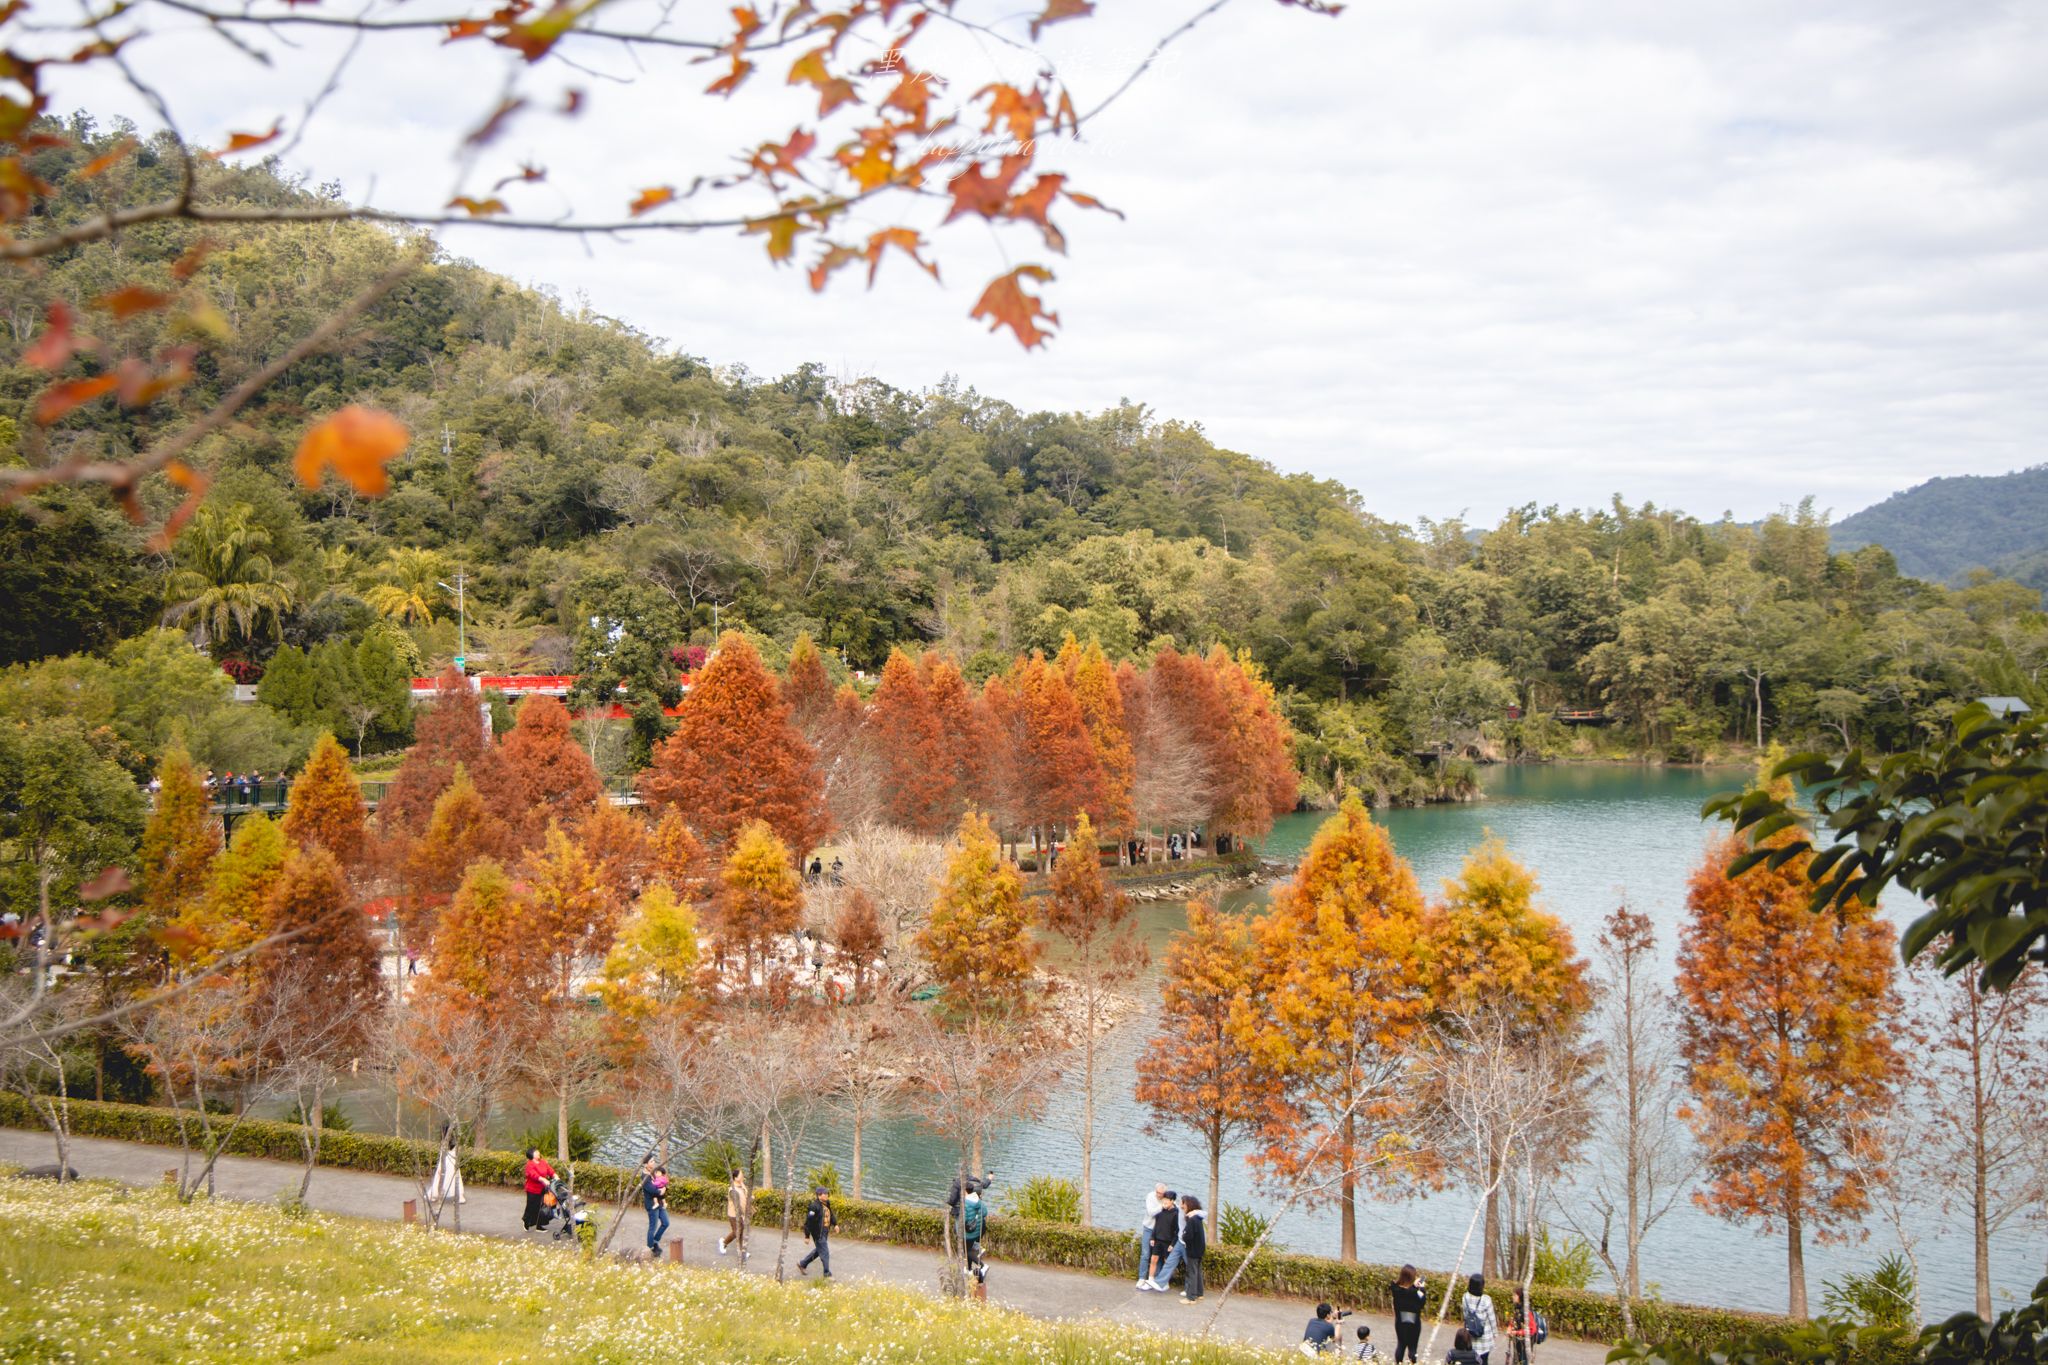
(1411, 1299)
(1165, 1232)
(1482, 1320)
(818, 1224)
(1153, 1203)
(1194, 1241)
(973, 1223)
(538, 1174)
(654, 1198)
(739, 1207)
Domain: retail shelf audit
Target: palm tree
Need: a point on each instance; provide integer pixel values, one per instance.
(409, 585)
(225, 582)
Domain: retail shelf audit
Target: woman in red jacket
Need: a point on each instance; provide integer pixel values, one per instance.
(538, 1174)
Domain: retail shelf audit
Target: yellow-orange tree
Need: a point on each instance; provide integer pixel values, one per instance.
(1095, 919)
(652, 966)
(550, 776)
(326, 805)
(229, 916)
(735, 757)
(461, 831)
(1787, 1032)
(1094, 685)
(179, 841)
(978, 939)
(1490, 950)
(1196, 1073)
(1339, 996)
(570, 918)
(758, 898)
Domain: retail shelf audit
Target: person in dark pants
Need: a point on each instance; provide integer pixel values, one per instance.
(973, 1224)
(538, 1174)
(1194, 1240)
(818, 1225)
(1411, 1299)
(654, 1198)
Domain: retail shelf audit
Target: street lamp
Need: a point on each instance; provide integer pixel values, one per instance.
(461, 617)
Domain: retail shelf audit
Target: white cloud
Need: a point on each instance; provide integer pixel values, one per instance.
(1457, 253)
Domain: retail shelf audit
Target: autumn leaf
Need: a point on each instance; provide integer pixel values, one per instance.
(833, 91)
(525, 175)
(477, 208)
(976, 192)
(127, 301)
(489, 129)
(905, 240)
(59, 399)
(195, 483)
(57, 343)
(242, 142)
(649, 200)
(356, 442)
(1005, 304)
(139, 385)
(782, 230)
(188, 264)
(731, 80)
(1056, 10)
(110, 882)
(107, 160)
(572, 102)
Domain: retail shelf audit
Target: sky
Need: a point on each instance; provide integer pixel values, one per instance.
(1461, 255)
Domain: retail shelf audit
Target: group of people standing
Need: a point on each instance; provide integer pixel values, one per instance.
(1174, 1235)
(1478, 1335)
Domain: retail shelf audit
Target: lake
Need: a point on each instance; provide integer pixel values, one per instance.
(1593, 834)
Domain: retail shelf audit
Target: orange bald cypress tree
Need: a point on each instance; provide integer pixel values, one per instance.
(483, 952)
(909, 749)
(677, 856)
(1196, 1073)
(1094, 682)
(734, 756)
(326, 808)
(180, 841)
(328, 971)
(1340, 995)
(808, 690)
(1187, 729)
(618, 842)
(547, 772)
(978, 939)
(758, 898)
(963, 736)
(461, 831)
(1003, 777)
(1787, 1033)
(1056, 771)
(448, 732)
(1255, 775)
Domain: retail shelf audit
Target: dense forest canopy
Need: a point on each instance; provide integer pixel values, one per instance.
(611, 499)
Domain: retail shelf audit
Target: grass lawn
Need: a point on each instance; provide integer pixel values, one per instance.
(104, 1272)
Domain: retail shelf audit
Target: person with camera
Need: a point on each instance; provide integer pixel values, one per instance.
(818, 1224)
(1320, 1335)
(1411, 1298)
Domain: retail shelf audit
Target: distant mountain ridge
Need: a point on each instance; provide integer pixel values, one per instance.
(1944, 528)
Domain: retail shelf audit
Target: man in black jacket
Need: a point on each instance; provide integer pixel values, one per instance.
(818, 1225)
(1165, 1232)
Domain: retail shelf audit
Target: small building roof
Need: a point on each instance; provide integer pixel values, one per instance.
(2006, 706)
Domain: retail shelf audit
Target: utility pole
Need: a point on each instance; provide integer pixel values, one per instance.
(458, 587)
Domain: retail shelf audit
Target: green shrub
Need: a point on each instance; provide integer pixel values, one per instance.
(332, 1117)
(1563, 1263)
(1047, 1198)
(1881, 1297)
(582, 1140)
(717, 1159)
(1239, 1226)
(826, 1175)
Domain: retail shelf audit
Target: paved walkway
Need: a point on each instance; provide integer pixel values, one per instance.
(1042, 1291)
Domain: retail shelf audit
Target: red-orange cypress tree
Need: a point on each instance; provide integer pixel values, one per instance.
(677, 856)
(1256, 779)
(329, 969)
(326, 806)
(618, 842)
(1095, 687)
(1787, 1033)
(1003, 773)
(734, 756)
(448, 732)
(963, 736)
(547, 773)
(1057, 774)
(461, 830)
(808, 690)
(909, 748)
(1187, 727)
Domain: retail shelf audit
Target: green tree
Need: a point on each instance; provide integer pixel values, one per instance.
(290, 686)
(225, 583)
(67, 813)
(74, 581)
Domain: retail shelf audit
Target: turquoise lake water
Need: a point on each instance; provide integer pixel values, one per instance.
(1593, 835)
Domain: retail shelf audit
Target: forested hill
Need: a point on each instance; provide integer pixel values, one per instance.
(579, 472)
(1944, 528)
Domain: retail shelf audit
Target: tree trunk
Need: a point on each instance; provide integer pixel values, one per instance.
(562, 1129)
(1348, 1193)
(767, 1156)
(1759, 710)
(1088, 1117)
(1215, 1178)
(1489, 1237)
(974, 1157)
(1980, 1223)
(858, 1119)
(1795, 1262)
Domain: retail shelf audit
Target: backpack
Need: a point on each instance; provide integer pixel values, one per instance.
(1475, 1321)
(1542, 1328)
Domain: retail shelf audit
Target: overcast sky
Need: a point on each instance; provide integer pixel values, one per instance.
(1460, 254)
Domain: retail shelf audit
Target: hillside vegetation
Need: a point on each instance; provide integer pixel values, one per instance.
(1944, 528)
(595, 484)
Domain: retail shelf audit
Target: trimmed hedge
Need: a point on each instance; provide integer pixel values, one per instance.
(1570, 1312)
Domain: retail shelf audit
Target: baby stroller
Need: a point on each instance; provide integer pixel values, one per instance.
(562, 1210)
